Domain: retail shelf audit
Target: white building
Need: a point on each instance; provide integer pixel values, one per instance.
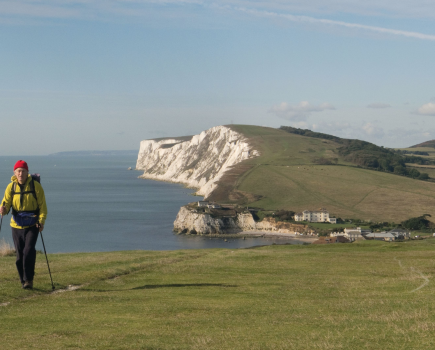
(381, 236)
(321, 215)
(352, 234)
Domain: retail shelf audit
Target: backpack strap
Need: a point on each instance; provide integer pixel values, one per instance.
(32, 191)
(14, 186)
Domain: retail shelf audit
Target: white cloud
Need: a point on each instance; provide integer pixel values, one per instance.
(427, 109)
(301, 125)
(312, 20)
(378, 105)
(299, 112)
(384, 8)
(410, 137)
(332, 126)
(97, 9)
(372, 130)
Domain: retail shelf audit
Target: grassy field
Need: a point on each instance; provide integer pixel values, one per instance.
(286, 176)
(367, 295)
(346, 192)
(429, 169)
(278, 147)
(429, 150)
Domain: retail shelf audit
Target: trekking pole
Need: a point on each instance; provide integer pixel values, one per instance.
(52, 285)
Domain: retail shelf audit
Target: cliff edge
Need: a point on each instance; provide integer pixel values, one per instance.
(198, 162)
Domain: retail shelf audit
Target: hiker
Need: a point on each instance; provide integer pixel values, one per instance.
(25, 196)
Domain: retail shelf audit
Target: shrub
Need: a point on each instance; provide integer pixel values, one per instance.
(259, 215)
(414, 173)
(6, 249)
(423, 176)
(284, 215)
(418, 223)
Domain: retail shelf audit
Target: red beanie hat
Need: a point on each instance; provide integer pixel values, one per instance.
(21, 164)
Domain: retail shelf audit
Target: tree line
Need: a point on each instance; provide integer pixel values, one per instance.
(369, 155)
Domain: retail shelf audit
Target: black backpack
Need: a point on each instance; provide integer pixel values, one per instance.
(35, 177)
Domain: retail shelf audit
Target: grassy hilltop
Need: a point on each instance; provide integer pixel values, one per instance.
(366, 295)
(291, 174)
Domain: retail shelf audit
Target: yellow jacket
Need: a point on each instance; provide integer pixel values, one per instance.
(29, 201)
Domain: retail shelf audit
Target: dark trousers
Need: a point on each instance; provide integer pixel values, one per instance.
(25, 242)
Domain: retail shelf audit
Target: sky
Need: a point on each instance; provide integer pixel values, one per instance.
(104, 75)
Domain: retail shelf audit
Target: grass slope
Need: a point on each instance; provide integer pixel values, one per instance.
(370, 295)
(430, 143)
(286, 176)
(429, 169)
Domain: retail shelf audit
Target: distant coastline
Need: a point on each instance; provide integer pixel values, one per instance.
(95, 153)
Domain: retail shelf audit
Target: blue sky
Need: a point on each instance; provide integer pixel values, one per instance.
(81, 75)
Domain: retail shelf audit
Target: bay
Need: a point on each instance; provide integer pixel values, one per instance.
(95, 204)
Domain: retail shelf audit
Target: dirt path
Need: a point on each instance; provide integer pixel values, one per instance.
(413, 270)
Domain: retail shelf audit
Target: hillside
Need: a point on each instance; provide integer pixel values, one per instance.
(293, 172)
(425, 153)
(371, 156)
(430, 144)
(282, 169)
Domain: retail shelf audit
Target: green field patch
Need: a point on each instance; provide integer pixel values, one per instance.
(364, 295)
(346, 192)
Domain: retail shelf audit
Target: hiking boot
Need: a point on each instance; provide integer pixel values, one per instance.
(28, 285)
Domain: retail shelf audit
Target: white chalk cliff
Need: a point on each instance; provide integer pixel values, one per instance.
(199, 162)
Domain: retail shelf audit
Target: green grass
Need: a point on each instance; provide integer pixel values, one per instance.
(278, 147)
(345, 191)
(285, 176)
(346, 296)
(429, 150)
(323, 226)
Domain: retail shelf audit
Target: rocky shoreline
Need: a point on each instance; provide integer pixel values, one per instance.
(192, 219)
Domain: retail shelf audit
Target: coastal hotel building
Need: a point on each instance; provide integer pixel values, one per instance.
(321, 215)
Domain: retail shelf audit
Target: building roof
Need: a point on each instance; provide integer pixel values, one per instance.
(398, 230)
(380, 235)
(316, 211)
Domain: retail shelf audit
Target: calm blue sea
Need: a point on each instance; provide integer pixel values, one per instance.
(96, 204)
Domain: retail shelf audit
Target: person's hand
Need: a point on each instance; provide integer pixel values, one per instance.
(3, 210)
(40, 226)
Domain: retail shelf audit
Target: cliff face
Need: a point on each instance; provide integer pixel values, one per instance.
(199, 162)
(190, 221)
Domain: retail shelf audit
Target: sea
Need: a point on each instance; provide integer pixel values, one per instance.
(95, 205)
